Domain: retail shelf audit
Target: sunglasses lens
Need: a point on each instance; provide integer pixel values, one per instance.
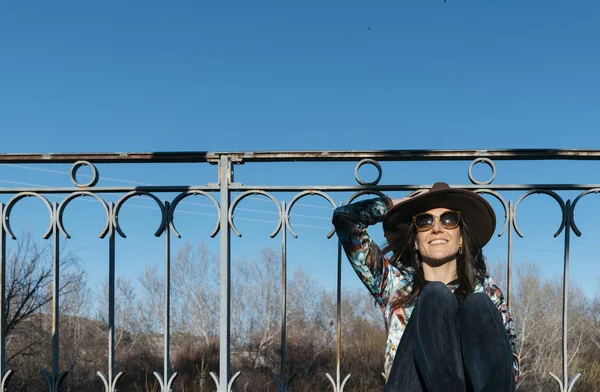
(449, 219)
(424, 221)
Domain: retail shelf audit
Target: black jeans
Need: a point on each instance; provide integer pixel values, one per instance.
(448, 347)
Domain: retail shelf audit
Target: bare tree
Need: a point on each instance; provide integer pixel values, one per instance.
(29, 290)
(29, 276)
(256, 327)
(195, 276)
(29, 279)
(128, 315)
(257, 303)
(595, 318)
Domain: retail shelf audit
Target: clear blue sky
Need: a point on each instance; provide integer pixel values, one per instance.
(146, 75)
(155, 76)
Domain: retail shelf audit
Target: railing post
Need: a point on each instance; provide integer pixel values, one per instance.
(338, 384)
(2, 294)
(283, 298)
(55, 296)
(225, 176)
(3, 377)
(167, 378)
(565, 384)
(111, 299)
(566, 296)
(509, 256)
(55, 378)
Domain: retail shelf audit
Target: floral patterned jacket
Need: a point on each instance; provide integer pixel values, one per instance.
(386, 283)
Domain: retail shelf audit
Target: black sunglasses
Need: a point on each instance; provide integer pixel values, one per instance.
(425, 221)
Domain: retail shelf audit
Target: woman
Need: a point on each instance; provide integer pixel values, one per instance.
(448, 325)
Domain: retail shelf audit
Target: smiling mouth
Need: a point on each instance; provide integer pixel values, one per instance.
(438, 242)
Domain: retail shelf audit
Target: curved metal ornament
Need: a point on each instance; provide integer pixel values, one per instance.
(109, 386)
(184, 195)
(573, 224)
(569, 386)
(63, 204)
(370, 162)
(552, 194)
(572, 382)
(300, 196)
(501, 199)
(488, 162)
(5, 380)
(243, 196)
(54, 385)
(282, 385)
(337, 387)
(165, 387)
(229, 385)
(73, 173)
(129, 195)
(12, 202)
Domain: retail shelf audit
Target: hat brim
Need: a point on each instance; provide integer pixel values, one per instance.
(476, 212)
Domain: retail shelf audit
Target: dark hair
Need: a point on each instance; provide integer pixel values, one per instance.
(470, 265)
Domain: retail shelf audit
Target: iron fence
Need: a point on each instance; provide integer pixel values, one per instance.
(220, 193)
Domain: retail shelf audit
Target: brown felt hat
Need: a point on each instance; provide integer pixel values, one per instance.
(476, 212)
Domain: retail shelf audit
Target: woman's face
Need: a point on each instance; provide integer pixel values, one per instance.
(438, 245)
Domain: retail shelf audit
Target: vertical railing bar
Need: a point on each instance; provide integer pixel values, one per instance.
(566, 294)
(225, 263)
(167, 314)
(111, 299)
(509, 257)
(338, 326)
(55, 295)
(283, 296)
(2, 294)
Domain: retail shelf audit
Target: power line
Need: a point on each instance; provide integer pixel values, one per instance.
(537, 237)
(69, 174)
(187, 212)
(574, 252)
(148, 184)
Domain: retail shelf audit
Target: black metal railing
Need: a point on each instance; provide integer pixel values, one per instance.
(220, 194)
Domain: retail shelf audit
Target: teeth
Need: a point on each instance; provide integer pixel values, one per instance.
(435, 242)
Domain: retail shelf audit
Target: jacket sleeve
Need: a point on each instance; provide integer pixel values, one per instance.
(497, 297)
(369, 263)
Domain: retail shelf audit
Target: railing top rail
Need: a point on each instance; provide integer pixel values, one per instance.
(307, 156)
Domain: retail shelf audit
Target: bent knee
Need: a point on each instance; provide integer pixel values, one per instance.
(477, 300)
(437, 293)
(437, 289)
(477, 305)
